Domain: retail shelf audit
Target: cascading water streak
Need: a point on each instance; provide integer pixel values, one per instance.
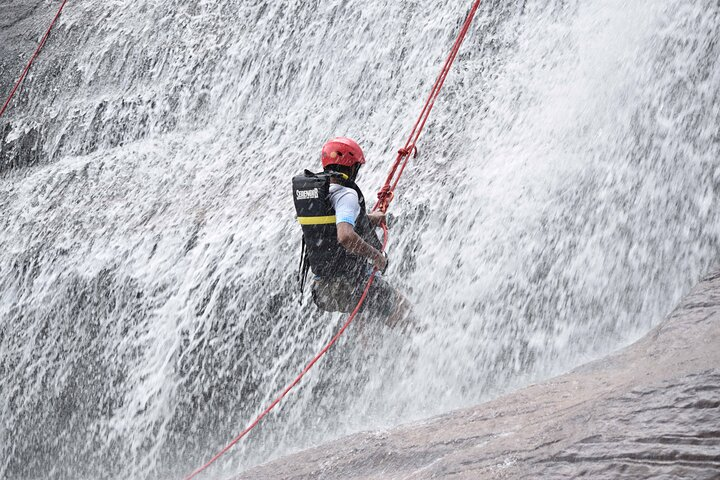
(564, 199)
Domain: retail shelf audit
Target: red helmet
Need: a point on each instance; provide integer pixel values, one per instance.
(342, 151)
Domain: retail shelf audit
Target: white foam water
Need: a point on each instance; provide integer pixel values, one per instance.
(564, 198)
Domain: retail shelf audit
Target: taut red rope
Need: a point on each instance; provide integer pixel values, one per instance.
(386, 193)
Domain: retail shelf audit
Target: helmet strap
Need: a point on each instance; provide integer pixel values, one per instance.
(355, 171)
(343, 172)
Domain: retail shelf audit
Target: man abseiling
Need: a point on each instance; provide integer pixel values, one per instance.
(341, 246)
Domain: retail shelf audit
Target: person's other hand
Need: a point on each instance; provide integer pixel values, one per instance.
(377, 218)
(380, 261)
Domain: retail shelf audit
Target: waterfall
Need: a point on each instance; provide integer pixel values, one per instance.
(564, 199)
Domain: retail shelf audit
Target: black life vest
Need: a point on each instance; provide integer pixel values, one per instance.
(321, 249)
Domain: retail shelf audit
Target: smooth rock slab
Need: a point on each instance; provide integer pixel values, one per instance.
(651, 410)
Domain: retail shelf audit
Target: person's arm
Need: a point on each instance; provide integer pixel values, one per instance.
(353, 243)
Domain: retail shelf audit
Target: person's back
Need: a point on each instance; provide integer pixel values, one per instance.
(340, 236)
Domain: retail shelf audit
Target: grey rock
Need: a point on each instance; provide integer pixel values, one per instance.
(22, 24)
(22, 150)
(20, 31)
(651, 410)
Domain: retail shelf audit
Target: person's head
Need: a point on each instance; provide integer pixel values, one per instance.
(342, 155)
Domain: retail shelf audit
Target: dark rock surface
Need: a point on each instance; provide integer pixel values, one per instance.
(651, 410)
(20, 32)
(22, 25)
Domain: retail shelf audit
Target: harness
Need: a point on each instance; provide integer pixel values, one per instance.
(320, 249)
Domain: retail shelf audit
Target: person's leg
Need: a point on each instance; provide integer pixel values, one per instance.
(333, 295)
(401, 315)
(383, 301)
(389, 304)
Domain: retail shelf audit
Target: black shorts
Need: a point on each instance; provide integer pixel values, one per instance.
(342, 295)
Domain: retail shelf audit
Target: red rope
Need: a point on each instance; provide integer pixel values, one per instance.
(385, 196)
(302, 374)
(32, 59)
(386, 193)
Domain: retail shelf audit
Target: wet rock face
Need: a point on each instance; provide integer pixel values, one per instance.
(21, 149)
(20, 22)
(651, 410)
(17, 38)
(669, 430)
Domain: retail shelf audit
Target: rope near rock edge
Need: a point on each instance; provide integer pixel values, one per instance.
(32, 59)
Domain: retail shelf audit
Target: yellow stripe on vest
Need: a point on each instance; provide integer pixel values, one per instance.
(316, 220)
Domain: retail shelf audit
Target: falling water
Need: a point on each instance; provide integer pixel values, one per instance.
(564, 199)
